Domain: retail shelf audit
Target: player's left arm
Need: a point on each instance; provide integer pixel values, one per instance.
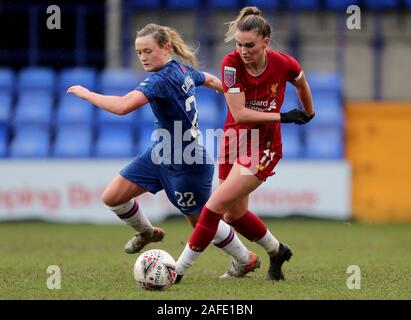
(211, 81)
(119, 105)
(304, 94)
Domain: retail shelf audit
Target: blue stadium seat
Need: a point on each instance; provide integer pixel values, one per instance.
(325, 81)
(340, 4)
(302, 5)
(72, 142)
(293, 147)
(72, 110)
(324, 143)
(30, 143)
(290, 99)
(208, 111)
(381, 4)
(182, 4)
(118, 81)
(144, 4)
(227, 4)
(5, 108)
(33, 109)
(107, 119)
(4, 139)
(262, 4)
(407, 4)
(114, 143)
(36, 79)
(144, 138)
(72, 76)
(7, 81)
(210, 141)
(328, 110)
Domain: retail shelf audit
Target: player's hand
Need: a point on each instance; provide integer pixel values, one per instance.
(79, 91)
(296, 116)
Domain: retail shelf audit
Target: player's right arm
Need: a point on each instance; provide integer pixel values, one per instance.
(120, 105)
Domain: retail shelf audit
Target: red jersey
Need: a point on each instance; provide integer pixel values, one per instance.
(263, 93)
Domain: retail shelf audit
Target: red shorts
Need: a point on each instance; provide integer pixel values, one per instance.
(262, 168)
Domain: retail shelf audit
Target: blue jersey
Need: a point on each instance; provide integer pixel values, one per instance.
(171, 93)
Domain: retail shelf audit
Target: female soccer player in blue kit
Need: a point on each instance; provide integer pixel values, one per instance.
(170, 90)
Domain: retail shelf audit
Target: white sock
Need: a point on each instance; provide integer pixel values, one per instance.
(131, 214)
(186, 259)
(269, 243)
(227, 240)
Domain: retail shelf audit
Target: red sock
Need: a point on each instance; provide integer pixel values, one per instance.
(250, 226)
(205, 230)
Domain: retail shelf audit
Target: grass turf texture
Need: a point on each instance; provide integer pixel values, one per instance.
(93, 265)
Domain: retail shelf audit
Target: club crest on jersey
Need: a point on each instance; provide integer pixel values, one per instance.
(229, 76)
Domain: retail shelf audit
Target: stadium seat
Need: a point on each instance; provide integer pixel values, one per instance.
(302, 5)
(407, 4)
(73, 76)
(290, 99)
(324, 143)
(118, 81)
(328, 110)
(36, 79)
(144, 4)
(182, 4)
(4, 139)
(33, 109)
(107, 119)
(325, 81)
(293, 147)
(7, 81)
(340, 4)
(72, 142)
(144, 140)
(30, 143)
(114, 143)
(72, 110)
(381, 4)
(5, 108)
(208, 110)
(262, 4)
(227, 4)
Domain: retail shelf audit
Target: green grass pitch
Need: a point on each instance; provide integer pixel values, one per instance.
(93, 265)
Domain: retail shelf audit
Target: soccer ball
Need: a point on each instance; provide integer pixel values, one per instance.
(155, 270)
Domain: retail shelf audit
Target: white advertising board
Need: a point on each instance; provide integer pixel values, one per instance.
(70, 191)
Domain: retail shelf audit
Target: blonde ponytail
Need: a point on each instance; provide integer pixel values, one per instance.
(249, 18)
(180, 48)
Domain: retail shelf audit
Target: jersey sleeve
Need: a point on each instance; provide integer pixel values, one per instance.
(197, 76)
(231, 79)
(295, 72)
(153, 87)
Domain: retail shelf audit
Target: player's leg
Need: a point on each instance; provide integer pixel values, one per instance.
(189, 192)
(243, 262)
(234, 188)
(241, 218)
(136, 178)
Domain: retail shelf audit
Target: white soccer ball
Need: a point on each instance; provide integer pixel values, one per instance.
(155, 270)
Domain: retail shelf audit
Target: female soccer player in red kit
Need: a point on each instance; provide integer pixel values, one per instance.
(254, 80)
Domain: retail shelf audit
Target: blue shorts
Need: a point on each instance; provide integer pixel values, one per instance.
(188, 190)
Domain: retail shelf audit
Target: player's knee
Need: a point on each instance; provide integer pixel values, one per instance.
(229, 219)
(108, 199)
